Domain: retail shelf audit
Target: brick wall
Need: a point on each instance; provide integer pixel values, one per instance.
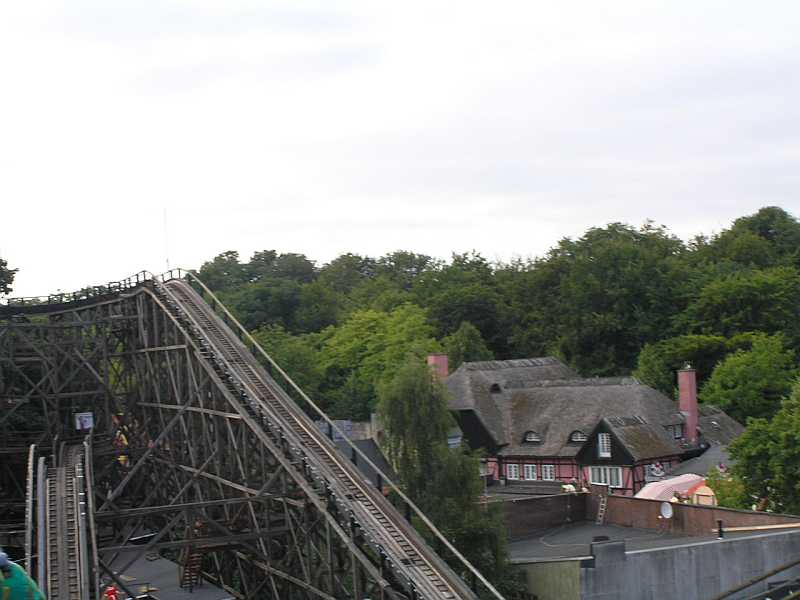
(526, 516)
(687, 518)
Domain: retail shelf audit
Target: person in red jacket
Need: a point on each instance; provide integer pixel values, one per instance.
(111, 593)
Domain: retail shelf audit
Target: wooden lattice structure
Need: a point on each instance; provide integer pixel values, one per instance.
(202, 452)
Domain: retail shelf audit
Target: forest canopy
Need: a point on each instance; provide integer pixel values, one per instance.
(620, 299)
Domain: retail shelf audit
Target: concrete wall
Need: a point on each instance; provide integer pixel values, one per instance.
(554, 580)
(526, 516)
(692, 572)
(690, 519)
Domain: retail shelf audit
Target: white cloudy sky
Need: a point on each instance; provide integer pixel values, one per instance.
(368, 126)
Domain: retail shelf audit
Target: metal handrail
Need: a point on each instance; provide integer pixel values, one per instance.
(87, 293)
(244, 334)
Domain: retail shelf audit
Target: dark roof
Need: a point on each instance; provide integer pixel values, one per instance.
(472, 383)
(372, 452)
(509, 398)
(716, 427)
(643, 439)
(635, 413)
(700, 465)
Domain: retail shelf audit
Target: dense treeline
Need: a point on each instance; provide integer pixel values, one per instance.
(618, 300)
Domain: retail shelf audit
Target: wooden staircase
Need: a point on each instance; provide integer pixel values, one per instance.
(191, 568)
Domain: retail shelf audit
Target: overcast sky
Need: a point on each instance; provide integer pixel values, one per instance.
(367, 127)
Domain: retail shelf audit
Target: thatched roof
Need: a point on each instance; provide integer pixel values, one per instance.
(507, 399)
(471, 387)
(636, 415)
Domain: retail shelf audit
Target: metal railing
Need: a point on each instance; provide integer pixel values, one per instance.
(87, 293)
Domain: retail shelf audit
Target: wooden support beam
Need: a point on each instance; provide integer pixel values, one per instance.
(195, 409)
(219, 542)
(153, 510)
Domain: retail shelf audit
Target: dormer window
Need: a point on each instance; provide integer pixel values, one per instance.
(532, 437)
(578, 436)
(604, 445)
(675, 431)
(495, 388)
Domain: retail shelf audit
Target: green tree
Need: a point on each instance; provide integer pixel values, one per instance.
(767, 238)
(297, 355)
(369, 346)
(465, 290)
(658, 362)
(444, 482)
(378, 293)
(413, 409)
(617, 294)
(6, 277)
(763, 300)
(403, 267)
(465, 345)
(346, 271)
(318, 307)
(477, 529)
(223, 272)
(597, 300)
(295, 267)
(767, 456)
(261, 265)
(530, 289)
(751, 383)
(270, 301)
(729, 489)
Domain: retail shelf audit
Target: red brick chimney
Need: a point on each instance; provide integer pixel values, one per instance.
(439, 364)
(687, 403)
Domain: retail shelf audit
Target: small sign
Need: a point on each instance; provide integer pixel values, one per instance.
(84, 421)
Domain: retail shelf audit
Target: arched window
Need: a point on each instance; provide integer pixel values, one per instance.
(495, 388)
(578, 436)
(532, 436)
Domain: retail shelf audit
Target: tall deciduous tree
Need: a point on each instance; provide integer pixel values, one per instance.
(767, 456)
(764, 300)
(368, 348)
(444, 482)
(465, 345)
(413, 409)
(658, 362)
(728, 489)
(223, 272)
(345, 272)
(751, 383)
(465, 290)
(296, 354)
(601, 297)
(767, 238)
(6, 277)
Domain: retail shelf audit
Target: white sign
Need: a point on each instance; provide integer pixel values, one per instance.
(84, 421)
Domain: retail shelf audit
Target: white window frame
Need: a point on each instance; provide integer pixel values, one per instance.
(578, 436)
(529, 472)
(604, 445)
(512, 471)
(677, 431)
(532, 437)
(605, 475)
(548, 472)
